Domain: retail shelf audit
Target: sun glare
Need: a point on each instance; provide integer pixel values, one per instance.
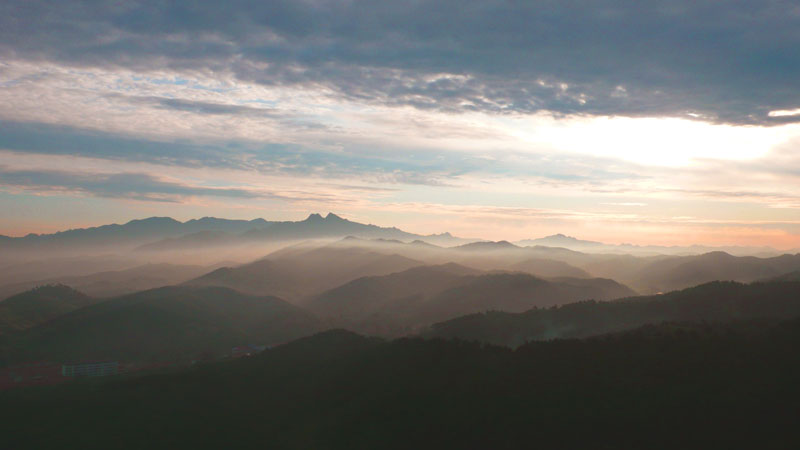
(654, 141)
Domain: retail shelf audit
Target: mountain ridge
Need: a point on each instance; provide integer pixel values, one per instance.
(174, 323)
(157, 232)
(711, 302)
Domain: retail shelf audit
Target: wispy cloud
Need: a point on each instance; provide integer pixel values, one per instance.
(143, 187)
(137, 186)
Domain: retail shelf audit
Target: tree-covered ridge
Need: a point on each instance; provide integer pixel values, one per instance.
(669, 386)
(164, 324)
(39, 305)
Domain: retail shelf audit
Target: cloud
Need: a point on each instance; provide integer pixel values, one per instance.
(684, 58)
(771, 199)
(200, 107)
(65, 140)
(393, 163)
(135, 186)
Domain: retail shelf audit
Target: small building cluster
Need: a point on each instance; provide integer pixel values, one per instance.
(90, 369)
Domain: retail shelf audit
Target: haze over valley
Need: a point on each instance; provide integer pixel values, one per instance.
(268, 282)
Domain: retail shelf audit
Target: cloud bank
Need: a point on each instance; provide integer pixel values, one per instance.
(731, 62)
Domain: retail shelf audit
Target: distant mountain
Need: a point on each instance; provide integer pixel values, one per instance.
(400, 303)
(39, 305)
(317, 226)
(192, 241)
(332, 226)
(169, 324)
(114, 283)
(712, 302)
(560, 240)
(165, 233)
(156, 233)
(483, 246)
(134, 232)
(300, 271)
(314, 226)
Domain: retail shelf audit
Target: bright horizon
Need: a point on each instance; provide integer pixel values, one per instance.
(492, 121)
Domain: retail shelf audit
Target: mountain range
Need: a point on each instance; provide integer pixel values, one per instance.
(158, 234)
(403, 302)
(165, 233)
(716, 302)
(572, 243)
(299, 271)
(329, 272)
(643, 274)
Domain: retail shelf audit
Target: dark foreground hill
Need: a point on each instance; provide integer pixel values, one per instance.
(711, 302)
(39, 305)
(667, 387)
(168, 324)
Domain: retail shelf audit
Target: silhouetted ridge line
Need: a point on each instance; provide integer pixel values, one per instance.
(711, 302)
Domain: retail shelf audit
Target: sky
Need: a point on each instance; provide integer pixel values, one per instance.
(657, 122)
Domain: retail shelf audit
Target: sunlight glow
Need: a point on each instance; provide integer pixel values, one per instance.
(655, 141)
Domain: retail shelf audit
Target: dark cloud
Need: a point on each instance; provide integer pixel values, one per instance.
(200, 107)
(723, 61)
(136, 186)
(282, 118)
(62, 140)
